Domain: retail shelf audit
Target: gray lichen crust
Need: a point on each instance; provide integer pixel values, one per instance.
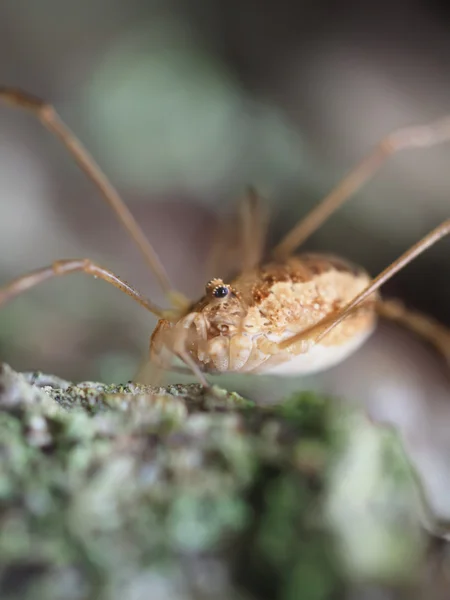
(132, 492)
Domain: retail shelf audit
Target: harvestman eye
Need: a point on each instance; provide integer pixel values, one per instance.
(221, 292)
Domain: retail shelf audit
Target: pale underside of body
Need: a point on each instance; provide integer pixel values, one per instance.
(242, 331)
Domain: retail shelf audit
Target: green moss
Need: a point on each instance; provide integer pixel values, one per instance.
(308, 412)
(129, 491)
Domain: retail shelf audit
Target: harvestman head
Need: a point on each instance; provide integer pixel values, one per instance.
(286, 315)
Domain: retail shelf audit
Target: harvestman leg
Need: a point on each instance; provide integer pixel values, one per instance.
(253, 218)
(50, 119)
(422, 136)
(84, 265)
(64, 267)
(241, 239)
(426, 327)
(323, 327)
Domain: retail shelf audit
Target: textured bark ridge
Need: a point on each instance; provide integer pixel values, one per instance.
(131, 492)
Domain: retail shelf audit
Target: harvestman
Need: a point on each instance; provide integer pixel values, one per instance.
(289, 315)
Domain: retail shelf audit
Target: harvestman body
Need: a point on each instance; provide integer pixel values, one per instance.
(289, 315)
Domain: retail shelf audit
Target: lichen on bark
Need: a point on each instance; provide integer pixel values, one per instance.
(127, 491)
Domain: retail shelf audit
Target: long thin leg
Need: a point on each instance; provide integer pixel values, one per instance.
(85, 265)
(328, 323)
(240, 241)
(50, 119)
(412, 137)
(425, 327)
(64, 267)
(253, 218)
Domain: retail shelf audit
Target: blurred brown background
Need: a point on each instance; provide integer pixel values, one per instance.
(184, 103)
